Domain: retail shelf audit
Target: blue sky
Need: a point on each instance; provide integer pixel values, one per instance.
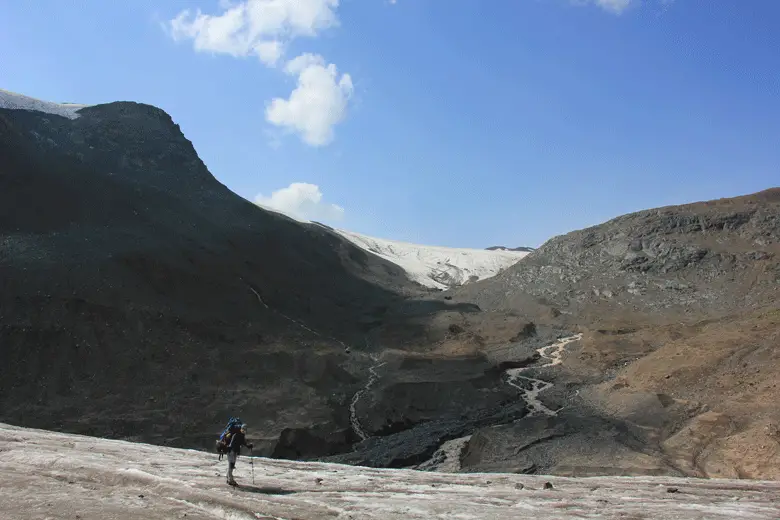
(464, 123)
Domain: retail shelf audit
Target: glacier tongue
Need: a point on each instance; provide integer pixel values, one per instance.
(435, 266)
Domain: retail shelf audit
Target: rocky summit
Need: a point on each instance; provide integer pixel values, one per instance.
(142, 300)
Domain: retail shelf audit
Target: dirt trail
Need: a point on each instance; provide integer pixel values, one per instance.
(353, 417)
(296, 322)
(373, 376)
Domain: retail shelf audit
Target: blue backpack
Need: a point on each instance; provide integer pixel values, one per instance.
(233, 426)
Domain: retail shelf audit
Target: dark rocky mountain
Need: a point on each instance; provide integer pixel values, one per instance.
(711, 257)
(141, 299)
(675, 372)
(680, 317)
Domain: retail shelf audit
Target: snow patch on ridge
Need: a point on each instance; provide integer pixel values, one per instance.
(13, 101)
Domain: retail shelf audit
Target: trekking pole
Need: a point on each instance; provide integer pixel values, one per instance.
(252, 463)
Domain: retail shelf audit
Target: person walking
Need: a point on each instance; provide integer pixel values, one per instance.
(237, 440)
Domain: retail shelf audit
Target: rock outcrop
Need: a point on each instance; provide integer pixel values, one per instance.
(705, 258)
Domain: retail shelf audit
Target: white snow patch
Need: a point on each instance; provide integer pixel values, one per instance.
(436, 266)
(13, 101)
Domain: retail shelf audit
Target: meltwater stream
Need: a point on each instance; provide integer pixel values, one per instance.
(353, 417)
(447, 457)
(551, 352)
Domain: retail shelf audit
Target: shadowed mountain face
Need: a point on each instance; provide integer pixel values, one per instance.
(141, 299)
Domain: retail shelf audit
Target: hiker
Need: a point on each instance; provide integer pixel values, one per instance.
(237, 440)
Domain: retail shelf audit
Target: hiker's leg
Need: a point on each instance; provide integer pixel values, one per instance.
(231, 465)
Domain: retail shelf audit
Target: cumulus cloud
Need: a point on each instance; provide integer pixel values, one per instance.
(614, 6)
(318, 103)
(269, 52)
(618, 6)
(264, 29)
(254, 27)
(301, 201)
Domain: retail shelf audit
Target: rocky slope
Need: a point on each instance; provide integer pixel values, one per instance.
(697, 259)
(47, 475)
(680, 317)
(674, 372)
(140, 299)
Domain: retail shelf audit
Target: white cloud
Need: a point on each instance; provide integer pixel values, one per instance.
(317, 104)
(270, 52)
(618, 6)
(614, 6)
(254, 27)
(264, 29)
(301, 201)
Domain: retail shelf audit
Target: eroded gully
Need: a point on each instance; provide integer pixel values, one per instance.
(553, 353)
(353, 416)
(447, 458)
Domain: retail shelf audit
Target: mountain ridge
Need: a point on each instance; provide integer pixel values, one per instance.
(124, 264)
(143, 300)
